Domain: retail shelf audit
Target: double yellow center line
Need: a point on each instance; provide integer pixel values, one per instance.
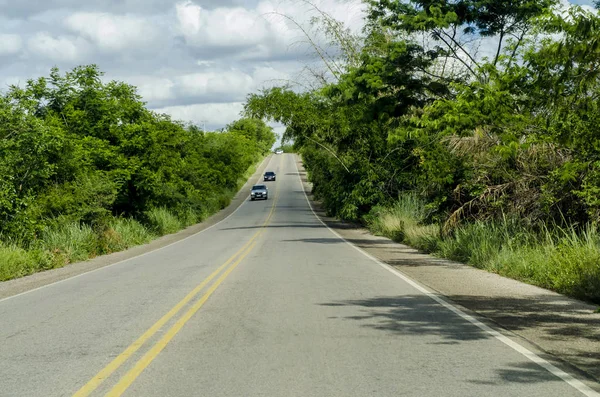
(142, 363)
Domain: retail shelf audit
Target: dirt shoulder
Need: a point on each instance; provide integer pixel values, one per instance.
(566, 331)
(37, 280)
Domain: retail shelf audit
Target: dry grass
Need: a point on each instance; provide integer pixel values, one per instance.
(564, 260)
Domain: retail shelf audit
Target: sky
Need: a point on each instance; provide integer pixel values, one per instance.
(196, 60)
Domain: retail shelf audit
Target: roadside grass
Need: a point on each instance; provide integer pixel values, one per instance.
(403, 222)
(564, 260)
(124, 233)
(162, 221)
(63, 242)
(18, 262)
(249, 172)
(73, 241)
(189, 217)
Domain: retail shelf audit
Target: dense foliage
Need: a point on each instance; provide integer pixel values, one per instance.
(507, 133)
(77, 152)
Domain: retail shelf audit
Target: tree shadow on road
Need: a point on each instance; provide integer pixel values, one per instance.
(520, 372)
(412, 315)
(421, 315)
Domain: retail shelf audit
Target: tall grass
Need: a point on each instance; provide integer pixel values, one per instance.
(123, 233)
(17, 262)
(189, 216)
(64, 241)
(566, 260)
(73, 241)
(161, 221)
(563, 260)
(403, 222)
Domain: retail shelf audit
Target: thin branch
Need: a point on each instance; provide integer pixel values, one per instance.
(334, 27)
(460, 47)
(456, 54)
(311, 41)
(441, 77)
(499, 47)
(330, 151)
(514, 51)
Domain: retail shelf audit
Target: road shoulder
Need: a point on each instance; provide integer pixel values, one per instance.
(566, 329)
(38, 280)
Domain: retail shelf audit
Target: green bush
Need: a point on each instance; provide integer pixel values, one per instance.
(161, 221)
(189, 216)
(74, 241)
(566, 261)
(16, 262)
(121, 234)
(88, 150)
(403, 222)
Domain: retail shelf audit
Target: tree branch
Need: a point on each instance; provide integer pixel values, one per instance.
(461, 48)
(317, 48)
(330, 151)
(456, 55)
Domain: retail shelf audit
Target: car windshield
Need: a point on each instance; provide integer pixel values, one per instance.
(258, 187)
(269, 173)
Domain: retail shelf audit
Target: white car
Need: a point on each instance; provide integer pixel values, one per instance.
(259, 191)
(279, 151)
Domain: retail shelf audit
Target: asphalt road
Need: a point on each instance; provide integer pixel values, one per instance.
(269, 302)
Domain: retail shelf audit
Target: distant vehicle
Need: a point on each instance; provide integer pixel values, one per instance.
(279, 151)
(269, 176)
(259, 191)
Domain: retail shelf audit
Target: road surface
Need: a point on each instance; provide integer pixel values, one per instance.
(269, 302)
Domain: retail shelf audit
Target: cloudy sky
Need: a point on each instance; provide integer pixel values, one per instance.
(194, 59)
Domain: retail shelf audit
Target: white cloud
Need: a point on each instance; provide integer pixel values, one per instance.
(213, 114)
(194, 59)
(213, 86)
(267, 30)
(214, 83)
(231, 27)
(155, 89)
(268, 76)
(61, 48)
(112, 32)
(10, 44)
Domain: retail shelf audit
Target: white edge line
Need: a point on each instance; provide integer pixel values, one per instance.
(575, 383)
(134, 257)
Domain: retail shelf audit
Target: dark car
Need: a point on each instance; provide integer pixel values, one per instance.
(259, 192)
(269, 176)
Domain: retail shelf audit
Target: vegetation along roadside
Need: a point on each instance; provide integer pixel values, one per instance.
(86, 170)
(467, 129)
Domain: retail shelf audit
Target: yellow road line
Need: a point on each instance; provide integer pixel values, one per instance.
(107, 371)
(139, 367)
(89, 387)
(147, 359)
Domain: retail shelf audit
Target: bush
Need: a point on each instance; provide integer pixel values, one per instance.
(15, 262)
(75, 164)
(403, 222)
(566, 260)
(562, 260)
(73, 241)
(121, 234)
(162, 221)
(188, 216)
